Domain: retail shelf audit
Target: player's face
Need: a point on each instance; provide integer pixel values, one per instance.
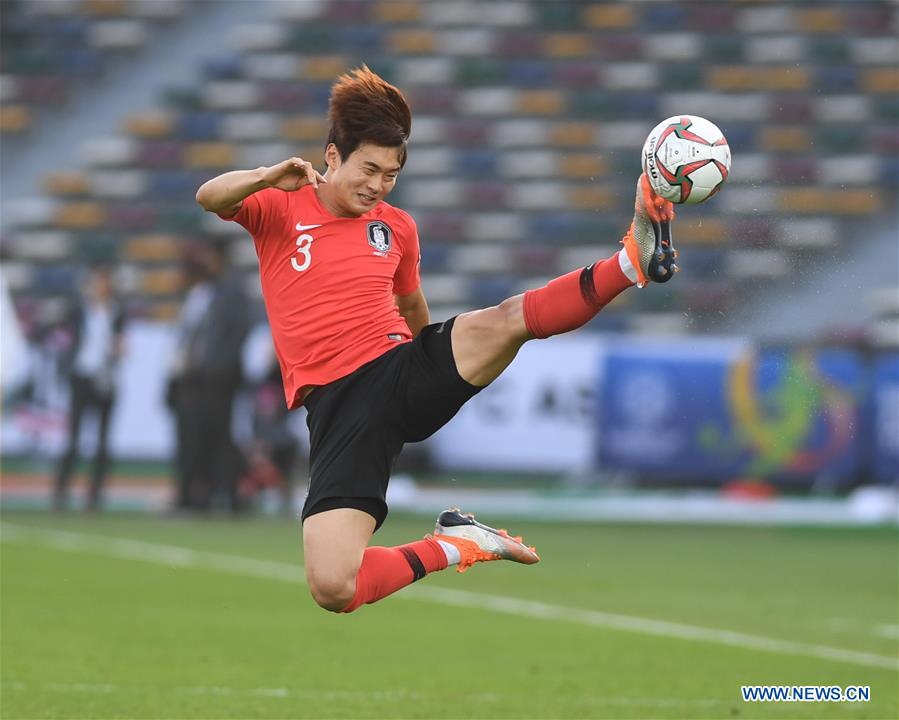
(364, 179)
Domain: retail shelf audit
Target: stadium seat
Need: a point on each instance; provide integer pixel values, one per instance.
(605, 16)
(466, 42)
(881, 80)
(530, 164)
(784, 139)
(572, 134)
(462, 132)
(584, 166)
(395, 12)
(559, 15)
(590, 197)
(80, 215)
(41, 244)
(160, 154)
(484, 291)
(574, 75)
(840, 138)
(479, 163)
(524, 132)
(117, 183)
(153, 248)
(518, 44)
(485, 194)
(162, 281)
(209, 155)
(154, 123)
(14, 119)
(540, 102)
(566, 45)
(792, 169)
(806, 232)
(820, 20)
(705, 232)
(724, 49)
(529, 73)
(713, 18)
(841, 202)
(494, 226)
(472, 72)
(479, 259)
(411, 42)
(630, 76)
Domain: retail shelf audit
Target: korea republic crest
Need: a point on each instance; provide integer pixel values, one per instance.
(380, 237)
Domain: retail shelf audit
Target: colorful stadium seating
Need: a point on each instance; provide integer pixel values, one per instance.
(529, 117)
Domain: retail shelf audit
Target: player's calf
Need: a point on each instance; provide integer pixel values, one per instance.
(570, 301)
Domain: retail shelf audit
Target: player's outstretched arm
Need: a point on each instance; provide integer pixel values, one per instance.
(224, 194)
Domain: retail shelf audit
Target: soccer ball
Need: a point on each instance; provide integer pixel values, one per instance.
(686, 158)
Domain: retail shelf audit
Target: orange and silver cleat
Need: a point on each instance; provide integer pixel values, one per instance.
(480, 543)
(648, 242)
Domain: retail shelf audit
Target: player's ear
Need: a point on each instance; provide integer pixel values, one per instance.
(332, 156)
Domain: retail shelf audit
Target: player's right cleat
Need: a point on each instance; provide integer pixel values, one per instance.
(648, 242)
(480, 543)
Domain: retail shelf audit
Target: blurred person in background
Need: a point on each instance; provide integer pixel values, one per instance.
(351, 325)
(198, 292)
(96, 323)
(206, 377)
(273, 452)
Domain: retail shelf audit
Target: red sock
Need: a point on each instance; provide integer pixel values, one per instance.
(385, 570)
(566, 303)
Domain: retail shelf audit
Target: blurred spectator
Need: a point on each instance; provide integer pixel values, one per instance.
(96, 323)
(206, 376)
(273, 453)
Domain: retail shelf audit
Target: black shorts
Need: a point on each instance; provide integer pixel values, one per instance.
(359, 423)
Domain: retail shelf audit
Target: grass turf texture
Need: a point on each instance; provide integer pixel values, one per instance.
(90, 635)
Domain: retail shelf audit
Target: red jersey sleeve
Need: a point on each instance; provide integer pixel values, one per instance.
(406, 279)
(260, 210)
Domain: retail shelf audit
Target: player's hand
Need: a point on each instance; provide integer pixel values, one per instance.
(292, 174)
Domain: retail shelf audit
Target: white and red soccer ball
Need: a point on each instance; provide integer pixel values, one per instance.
(686, 159)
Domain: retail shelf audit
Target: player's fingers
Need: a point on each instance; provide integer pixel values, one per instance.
(321, 178)
(310, 174)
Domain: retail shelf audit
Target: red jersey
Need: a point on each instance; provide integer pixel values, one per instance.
(328, 282)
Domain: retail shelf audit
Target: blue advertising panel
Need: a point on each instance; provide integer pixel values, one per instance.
(724, 410)
(885, 391)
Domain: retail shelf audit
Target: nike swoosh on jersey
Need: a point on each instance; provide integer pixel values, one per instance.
(301, 227)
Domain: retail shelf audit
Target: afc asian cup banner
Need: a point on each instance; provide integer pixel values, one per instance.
(724, 410)
(886, 418)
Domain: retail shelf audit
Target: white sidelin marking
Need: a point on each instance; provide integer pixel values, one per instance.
(174, 556)
(320, 694)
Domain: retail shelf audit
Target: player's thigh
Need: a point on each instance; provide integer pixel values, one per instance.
(486, 341)
(333, 544)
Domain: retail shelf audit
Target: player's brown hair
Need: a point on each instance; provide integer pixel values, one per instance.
(366, 108)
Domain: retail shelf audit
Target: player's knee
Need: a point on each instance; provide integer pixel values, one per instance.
(503, 323)
(511, 319)
(332, 593)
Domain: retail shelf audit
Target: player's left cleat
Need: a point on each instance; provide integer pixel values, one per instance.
(648, 242)
(480, 543)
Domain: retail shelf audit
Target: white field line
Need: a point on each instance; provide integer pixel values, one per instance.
(276, 693)
(182, 557)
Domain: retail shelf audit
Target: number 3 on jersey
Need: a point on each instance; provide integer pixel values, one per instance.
(303, 258)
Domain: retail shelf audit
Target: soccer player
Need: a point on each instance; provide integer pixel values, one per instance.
(340, 278)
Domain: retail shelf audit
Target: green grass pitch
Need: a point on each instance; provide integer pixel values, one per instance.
(94, 626)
